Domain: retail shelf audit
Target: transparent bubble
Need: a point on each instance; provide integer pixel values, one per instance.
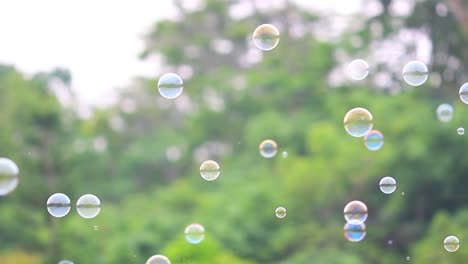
(464, 93)
(444, 113)
(357, 69)
(209, 170)
(268, 148)
(358, 122)
(387, 185)
(284, 154)
(88, 206)
(194, 233)
(415, 73)
(65, 262)
(373, 140)
(96, 228)
(355, 212)
(354, 232)
(280, 212)
(170, 85)
(408, 258)
(451, 243)
(158, 259)
(460, 131)
(8, 176)
(266, 37)
(58, 205)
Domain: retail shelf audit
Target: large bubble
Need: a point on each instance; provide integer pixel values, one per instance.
(266, 37)
(358, 122)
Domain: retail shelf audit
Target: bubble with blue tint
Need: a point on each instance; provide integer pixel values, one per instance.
(209, 170)
(357, 69)
(415, 73)
(451, 243)
(88, 206)
(444, 113)
(268, 148)
(194, 233)
(355, 212)
(460, 131)
(170, 85)
(8, 176)
(158, 259)
(373, 140)
(354, 232)
(266, 37)
(358, 122)
(280, 212)
(58, 205)
(463, 92)
(387, 185)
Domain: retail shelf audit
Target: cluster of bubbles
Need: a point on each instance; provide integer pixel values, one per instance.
(87, 206)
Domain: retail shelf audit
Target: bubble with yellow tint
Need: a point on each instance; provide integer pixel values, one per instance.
(358, 122)
(266, 37)
(268, 148)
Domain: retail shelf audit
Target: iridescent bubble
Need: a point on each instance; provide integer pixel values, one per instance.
(88, 206)
(444, 113)
(280, 212)
(355, 212)
(268, 148)
(387, 185)
(463, 92)
(357, 69)
(8, 176)
(266, 37)
(65, 262)
(354, 232)
(209, 170)
(373, 140)
(358, 122)
(415, 73)
(460, 131)
(58, 205)
(451, 243)
(158, 259)
(194, 233)
(170, 85)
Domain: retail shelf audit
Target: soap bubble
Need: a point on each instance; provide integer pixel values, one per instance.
(373, 140)
(463, 92)
(209, 170)
(354, 232)
(96, 228)
(355, 212)
(284, 154)
(357, 69)
(158, 259)
(8, 176)
(460, 131)
(88, 206)
(415, 73)
(268, 148)
(266, 37)
(65, 262)
(280, 212)
(444, 113)
(58, 205)
(451, 243)
(194, 233)
(170, 85)
(358, 122)
(387, 185)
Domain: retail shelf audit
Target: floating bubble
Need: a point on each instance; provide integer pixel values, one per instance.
(209, 170)
(158, 259)
(354, 232)
(284, 154)
(96, 228)
(268, 148)
(8, 176)
(460, 131)
(408, 258)
(387, 185)
(170, 85)
(58, 205)
(65, 262)
(444, 113)
(358, 122)
(357, 69)
(451, 243)
(266, 37)
(415, 73)
(88, 206)
(373, 140)
(355, 212)
(463, 92)
(194, 233)
(280, 212)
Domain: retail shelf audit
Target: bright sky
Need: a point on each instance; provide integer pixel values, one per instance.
(97, 40)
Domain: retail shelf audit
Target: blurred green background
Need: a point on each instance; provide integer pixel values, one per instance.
(141, 156)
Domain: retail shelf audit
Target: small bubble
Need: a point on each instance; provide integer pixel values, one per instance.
(357, 69)
(415, 73)
(444, 113)
(373, 140)
(8, 176)
(358, 122)
(460, 131)
(390, 242)
(284, 154)
(402, 193)
(355, 212)
(96, 228)
(88, 206)
(451, 243)
(65, 262)
(354, 232)
(408, 258)
(387, 185)
(463, 92)
(268, 148)
(194, 233)
(170, 85)
(158, 259)
(209, 170)
(280, 212)
(266, 37)
(58, 205)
